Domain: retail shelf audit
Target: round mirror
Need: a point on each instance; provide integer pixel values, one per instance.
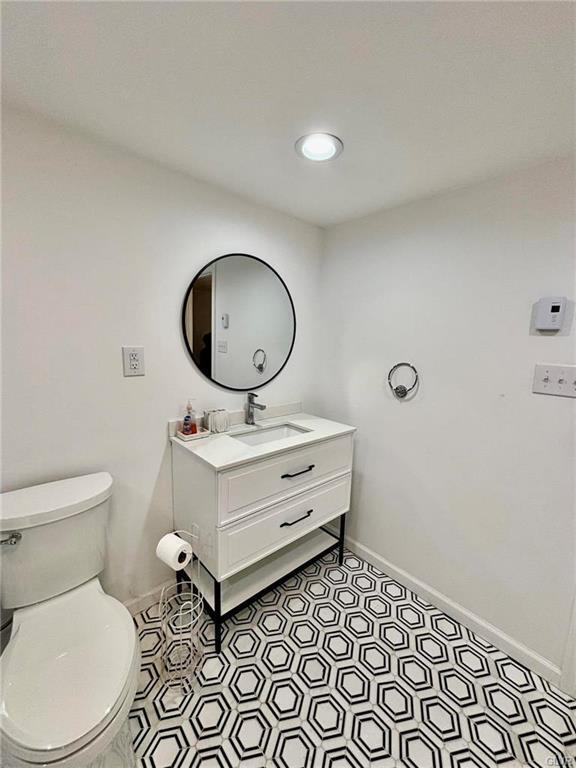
(238, 322)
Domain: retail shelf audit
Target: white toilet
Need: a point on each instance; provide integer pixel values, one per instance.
(70, 670)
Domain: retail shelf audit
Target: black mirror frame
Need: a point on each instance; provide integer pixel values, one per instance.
(183, 323)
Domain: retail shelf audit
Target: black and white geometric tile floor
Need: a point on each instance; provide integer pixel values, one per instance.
(342, 667)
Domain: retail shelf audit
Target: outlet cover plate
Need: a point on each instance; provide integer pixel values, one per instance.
(555, 379)
(133, 361)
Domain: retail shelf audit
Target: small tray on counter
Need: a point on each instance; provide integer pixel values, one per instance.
(196, 436)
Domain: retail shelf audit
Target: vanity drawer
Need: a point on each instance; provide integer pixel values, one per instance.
(257, 485)
(252, 539)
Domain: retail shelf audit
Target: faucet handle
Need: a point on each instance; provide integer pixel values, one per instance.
(252, 395)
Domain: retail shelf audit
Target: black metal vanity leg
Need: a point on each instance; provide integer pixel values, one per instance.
(179, 580)
(217, 617)
(341, 539)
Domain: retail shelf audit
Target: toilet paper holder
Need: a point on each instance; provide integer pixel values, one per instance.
(181, 611)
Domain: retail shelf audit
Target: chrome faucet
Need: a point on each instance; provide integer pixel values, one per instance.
(250, 405)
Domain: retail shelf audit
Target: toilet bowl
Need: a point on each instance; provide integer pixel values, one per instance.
(70, 670)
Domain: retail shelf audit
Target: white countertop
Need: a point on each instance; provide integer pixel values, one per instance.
(222, 451)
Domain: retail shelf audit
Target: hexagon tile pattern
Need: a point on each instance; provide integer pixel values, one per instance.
(342, 667)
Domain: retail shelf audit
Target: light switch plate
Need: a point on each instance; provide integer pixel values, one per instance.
(555, 379)
(133, 361)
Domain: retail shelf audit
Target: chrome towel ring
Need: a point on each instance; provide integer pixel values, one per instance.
(259, 360)
(400, 391)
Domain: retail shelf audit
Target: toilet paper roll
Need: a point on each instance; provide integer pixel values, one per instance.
(174, 551)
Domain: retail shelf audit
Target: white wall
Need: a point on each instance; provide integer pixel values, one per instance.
(469, 487)
(99, 248)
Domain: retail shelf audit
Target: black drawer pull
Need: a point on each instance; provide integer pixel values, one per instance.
(303, 472)
(304, 517)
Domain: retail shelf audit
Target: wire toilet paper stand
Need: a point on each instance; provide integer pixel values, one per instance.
(181, 610)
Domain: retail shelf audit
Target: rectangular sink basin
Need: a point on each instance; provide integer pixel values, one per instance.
(269, 434)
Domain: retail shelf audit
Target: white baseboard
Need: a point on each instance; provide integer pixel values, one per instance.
(142, 602)
(499, 639)
(568, 679)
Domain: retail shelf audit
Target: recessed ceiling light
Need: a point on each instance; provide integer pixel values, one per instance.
(319, 147)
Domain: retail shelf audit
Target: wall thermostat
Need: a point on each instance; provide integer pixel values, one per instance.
(550, 313)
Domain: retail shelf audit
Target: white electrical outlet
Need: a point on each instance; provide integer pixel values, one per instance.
(133, 361)
(554, 379)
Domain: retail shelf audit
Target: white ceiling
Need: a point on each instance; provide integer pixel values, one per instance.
(426, 96)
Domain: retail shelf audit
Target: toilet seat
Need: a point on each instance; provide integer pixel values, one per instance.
(71, 665)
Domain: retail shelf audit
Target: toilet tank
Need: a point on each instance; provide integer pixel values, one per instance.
(62, 543)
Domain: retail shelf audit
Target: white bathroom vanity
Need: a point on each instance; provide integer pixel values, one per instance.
(261, 497)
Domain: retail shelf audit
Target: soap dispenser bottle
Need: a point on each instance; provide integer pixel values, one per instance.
(189, 422)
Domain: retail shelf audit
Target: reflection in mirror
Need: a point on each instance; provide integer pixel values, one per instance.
(238, 322)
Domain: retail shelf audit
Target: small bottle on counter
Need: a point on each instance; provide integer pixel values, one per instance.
(189, 426)
(200, 420)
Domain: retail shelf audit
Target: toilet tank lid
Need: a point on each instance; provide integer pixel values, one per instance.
(45, 503)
